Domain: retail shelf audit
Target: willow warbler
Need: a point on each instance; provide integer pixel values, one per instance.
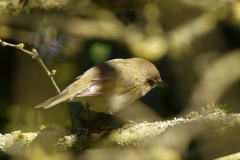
(110, 86)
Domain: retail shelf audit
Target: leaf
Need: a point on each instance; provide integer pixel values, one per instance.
(20, 45)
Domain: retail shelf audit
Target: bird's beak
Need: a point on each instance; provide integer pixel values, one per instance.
(162, 83)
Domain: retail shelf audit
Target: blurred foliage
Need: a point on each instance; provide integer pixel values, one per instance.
(100, 52)
(194, 44)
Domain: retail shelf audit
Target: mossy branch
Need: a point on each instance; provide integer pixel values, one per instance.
(177, 133)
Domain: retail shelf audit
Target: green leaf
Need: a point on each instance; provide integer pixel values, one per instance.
(54, 72)
(34, 51)
(20, 45)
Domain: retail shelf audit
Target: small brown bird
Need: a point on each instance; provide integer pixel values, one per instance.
(110, 86)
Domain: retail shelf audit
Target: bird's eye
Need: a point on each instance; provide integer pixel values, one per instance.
(150, 82)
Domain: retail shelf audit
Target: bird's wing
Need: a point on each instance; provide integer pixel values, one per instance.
(109, 79)
(53, 101)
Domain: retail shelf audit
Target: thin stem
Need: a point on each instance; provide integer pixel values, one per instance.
(49, 74)
(34, 55)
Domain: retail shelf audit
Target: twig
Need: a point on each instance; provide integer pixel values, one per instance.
(34, 55)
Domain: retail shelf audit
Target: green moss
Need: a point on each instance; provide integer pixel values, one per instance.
(42, 127)
(19, 137)
(193, 114)
(215, 108)
(46, 128)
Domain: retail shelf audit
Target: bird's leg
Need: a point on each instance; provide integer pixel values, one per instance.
(71, 116)
(89, 116)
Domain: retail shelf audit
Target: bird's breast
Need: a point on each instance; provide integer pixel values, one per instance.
(111, 103)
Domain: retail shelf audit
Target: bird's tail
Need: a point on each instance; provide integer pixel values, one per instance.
(53, 101)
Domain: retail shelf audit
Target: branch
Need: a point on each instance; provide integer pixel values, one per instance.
(113, 5)
(176, 134)
(35, 56)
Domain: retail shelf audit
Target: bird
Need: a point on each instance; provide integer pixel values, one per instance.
(110, 86)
